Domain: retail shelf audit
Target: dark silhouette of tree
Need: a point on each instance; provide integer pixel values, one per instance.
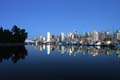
(1, 33)
(14, 35)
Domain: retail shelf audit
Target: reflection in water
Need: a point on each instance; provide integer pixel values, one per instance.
(60, 67)
(15, 53)
(48, 49)
(74, 50)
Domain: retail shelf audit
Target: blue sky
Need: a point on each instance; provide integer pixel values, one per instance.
(55, 16)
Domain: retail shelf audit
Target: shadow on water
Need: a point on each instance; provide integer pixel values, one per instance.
(15, 53)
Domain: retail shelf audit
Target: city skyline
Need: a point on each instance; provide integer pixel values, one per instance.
(59, 39)
(110, 39)
(56, 16)
(48, 34)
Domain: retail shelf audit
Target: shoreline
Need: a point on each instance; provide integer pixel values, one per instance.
(12, 44)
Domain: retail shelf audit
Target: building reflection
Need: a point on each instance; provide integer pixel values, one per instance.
(13, 53)
(74, 50)
(48, 49)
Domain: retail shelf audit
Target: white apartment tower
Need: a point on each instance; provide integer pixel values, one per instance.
(62, 36)
(48, 36)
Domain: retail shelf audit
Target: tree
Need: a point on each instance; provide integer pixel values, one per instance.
(15, 30)
(1, 34)
(15, 35)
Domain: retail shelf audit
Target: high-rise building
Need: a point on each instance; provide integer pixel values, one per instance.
(94, 35)
(62, 37)
(48, 36)
(102, 36)
(118, 35)
(41, 39)
(57, 38)
(108, 36)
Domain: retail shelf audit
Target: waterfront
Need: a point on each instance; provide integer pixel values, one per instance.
(87, 38)
(59, 39)
(59, 63)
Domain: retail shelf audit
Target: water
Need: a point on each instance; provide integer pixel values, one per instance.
(59, 63)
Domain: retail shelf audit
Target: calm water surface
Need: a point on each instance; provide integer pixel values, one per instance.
(59, 63)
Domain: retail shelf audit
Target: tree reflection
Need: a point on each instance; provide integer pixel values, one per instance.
(15, 53)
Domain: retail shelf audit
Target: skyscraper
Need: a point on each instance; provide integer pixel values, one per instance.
(48, 36)
(62, 36)
(41, 39)
(118, 35)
